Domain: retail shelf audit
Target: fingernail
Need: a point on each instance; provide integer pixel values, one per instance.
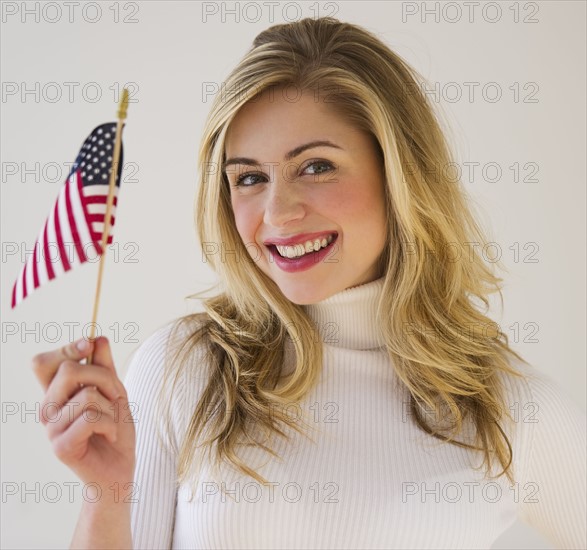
(83, 345)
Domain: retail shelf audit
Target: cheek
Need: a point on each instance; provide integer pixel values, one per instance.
(246, 218)
(361, 202)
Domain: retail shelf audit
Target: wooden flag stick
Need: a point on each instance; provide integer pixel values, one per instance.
(122, 107)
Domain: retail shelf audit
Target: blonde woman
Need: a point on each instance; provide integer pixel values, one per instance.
(344, 390)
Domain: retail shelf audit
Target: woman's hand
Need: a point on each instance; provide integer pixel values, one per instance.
(87, 415)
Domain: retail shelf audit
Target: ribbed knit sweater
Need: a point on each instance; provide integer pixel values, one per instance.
(368, 477)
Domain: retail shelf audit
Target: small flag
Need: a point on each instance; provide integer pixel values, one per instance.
(75, 226)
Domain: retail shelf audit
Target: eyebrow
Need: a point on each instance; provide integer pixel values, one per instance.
(288, 156)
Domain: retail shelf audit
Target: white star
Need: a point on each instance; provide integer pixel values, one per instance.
(83, 174)
(96, 170)
(99, 130)
(94, 138)
(94, 149)
(102, 153)
(101, 142)
(90, 177)
(108, 147)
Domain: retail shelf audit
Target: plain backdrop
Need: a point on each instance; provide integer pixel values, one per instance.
(522, 157)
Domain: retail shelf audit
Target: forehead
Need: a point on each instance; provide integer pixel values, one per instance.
(279, 119)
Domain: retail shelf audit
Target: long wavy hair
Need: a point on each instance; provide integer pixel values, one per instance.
(448, 359)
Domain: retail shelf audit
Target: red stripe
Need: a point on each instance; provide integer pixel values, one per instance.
(72, 223)
(24, 292)
(50, 272)
(98, 238)
(35, 273)
(100, 218)
(64, 260)
(14, 294)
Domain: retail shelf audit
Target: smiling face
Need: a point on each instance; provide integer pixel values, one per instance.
(299, 171)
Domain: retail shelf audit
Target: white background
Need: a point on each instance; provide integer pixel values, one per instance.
(171, 53)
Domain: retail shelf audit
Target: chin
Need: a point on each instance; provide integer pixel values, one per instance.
(305, 293)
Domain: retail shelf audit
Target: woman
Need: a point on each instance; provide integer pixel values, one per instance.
(344, 391)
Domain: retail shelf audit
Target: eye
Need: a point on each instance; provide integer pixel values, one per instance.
(247, 176)
(322, 166)
(313, 168)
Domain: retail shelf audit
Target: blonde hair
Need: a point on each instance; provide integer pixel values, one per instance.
(446, 360)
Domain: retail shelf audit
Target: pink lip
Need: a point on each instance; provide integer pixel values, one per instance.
(305, 262)
(301, 238)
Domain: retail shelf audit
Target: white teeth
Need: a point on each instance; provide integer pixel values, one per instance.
(300, 249)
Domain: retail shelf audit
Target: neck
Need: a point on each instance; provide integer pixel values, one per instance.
(348, 319)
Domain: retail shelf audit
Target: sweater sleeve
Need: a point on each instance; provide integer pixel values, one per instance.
(153, 507)
(553, 483)
(157, 441)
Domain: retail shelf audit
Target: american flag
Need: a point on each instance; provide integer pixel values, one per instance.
(74, 228)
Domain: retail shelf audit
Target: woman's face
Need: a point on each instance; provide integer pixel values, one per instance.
(305, 175)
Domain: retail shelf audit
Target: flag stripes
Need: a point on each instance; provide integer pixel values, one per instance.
(74, 228)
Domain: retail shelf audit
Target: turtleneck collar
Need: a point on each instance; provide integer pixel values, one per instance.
(347, 319)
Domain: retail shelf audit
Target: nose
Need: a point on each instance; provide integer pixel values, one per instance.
(283, 202)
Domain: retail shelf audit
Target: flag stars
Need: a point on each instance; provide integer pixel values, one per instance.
(95, 159)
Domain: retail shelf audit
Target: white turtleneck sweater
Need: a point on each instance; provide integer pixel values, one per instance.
(371, 478)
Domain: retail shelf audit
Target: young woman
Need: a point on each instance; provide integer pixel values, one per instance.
(344, 390)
